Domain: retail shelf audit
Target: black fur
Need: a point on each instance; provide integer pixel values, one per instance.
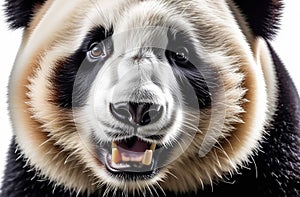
(262, 15)
(73, 76)
(21, 181)
(192, 75)
(20, 12)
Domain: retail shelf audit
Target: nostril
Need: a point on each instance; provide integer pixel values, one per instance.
(121, 111)
(137, 114)
(151, 114)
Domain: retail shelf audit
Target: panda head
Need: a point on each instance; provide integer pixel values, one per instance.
(139, 95)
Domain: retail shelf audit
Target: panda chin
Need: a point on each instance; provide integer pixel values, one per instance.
(131, 158)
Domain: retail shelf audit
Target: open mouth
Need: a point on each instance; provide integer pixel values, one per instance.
(132, 150)
(131, 158)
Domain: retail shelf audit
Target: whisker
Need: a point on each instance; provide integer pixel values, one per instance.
(161, 189)
(192, 127)
(155, 190)
(149, 189)
(173, 175)
(185, 133)
(178, 144)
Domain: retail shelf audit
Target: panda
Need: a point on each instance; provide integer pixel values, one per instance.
(150, 98)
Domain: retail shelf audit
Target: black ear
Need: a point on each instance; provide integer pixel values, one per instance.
(19, 12)
(263, 16)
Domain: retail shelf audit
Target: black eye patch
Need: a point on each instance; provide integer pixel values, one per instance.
(73, 76)
(186, 64)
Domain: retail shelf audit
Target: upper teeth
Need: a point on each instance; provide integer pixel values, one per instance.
(114, 145)
(153, 146)
(145, 158)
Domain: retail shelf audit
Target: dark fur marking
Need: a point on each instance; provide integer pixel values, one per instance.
(262, 15)
(73, 76)
(21, 181)
(20, 12)
(193, 75)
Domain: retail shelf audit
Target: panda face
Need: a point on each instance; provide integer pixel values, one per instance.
(133, 101)
(128, 95)
(144, 96)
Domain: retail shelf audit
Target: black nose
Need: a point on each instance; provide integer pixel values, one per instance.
(136, 113)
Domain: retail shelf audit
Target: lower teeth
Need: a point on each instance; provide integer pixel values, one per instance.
(115, 156)
(146, 158)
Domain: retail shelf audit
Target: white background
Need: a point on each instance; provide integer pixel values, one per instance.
(286, 44)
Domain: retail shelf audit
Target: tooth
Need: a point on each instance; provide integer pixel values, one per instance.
(115, 156)
(114, 145)
(137, 158)
(141, 158)
(152, 147)
(147, 157)
(125, 158)
(133, 159)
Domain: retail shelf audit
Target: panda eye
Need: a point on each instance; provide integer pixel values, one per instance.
(97, 50)
(180, 56)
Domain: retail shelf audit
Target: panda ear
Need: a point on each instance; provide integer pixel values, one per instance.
(19, 12)
(263, 16)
